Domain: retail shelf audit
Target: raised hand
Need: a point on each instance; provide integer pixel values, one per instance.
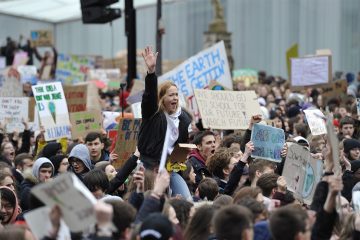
(150, 59)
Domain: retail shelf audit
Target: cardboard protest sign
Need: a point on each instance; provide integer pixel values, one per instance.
(180, 152)
(74, 199)
(28, 74)
(268, 142)
(315, 120)
(335, 91)
(248, 76)
(136, 92)
(310, 71)
(71, 69)
(82, 97)
(41, 38)
(302, 172)
(226, 109)
(334, 143)
(20, 58)
(83, 123)
(10, 84)
(292, 52)
(13, 111)
(126, 141)
(40, 225)
(53, 111)
(199, 70)
(76, 97)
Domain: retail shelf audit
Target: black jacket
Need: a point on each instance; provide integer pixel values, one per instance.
(153, 127)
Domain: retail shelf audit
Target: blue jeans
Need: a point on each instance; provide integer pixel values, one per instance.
(179, 186)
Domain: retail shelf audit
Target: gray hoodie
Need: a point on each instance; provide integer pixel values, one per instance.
(37, 165)
(81, 152)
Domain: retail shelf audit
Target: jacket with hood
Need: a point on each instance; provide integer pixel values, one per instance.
(17, 209)
(30, 180)
(154, 125)
(199, 164)
(81, 152)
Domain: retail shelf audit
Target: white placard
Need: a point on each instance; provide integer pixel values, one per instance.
(315, 119)
(74, 199)
(13, 111)
(310, 71)
(40, 225)
(53, 111)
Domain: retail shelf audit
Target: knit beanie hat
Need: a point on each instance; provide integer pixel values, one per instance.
(355, 165)
(350, 144)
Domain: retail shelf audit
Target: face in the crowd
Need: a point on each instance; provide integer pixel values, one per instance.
(233, 161)
(8, 182)
(172, 216)
(7, 210)
(355, 153)
(277, 123)
(95, 147)
(98, 193)
(347, 129)
(266, 169)
(345, 206)
(207, 146)
(110, 171)
(9, 151)
(342, 112)
(77, 165)
(192, 175)
(171, 100)
(27, 164)
(64, 165)
(45, 174)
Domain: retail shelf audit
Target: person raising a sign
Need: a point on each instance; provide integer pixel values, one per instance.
(161, 116)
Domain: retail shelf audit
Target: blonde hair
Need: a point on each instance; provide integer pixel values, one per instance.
(162, 92)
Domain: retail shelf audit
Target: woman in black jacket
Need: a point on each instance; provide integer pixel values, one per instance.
(162, 117)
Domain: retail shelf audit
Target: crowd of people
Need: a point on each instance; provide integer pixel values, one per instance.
(222, 194)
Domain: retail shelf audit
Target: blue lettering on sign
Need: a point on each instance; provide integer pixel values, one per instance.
(268, 142)
(58, 132)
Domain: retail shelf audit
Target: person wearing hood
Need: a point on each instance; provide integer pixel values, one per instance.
(42, 171)
(79, 159)
(9, 206)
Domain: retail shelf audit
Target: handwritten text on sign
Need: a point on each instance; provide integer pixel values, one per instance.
(53, 111)
(310, 71)
(226, 109)
(302, 172)
(268, 142)
(76, 97)
(126, 139)
(13, 111)
(315, 119)
(199, 70)
(85, 122)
